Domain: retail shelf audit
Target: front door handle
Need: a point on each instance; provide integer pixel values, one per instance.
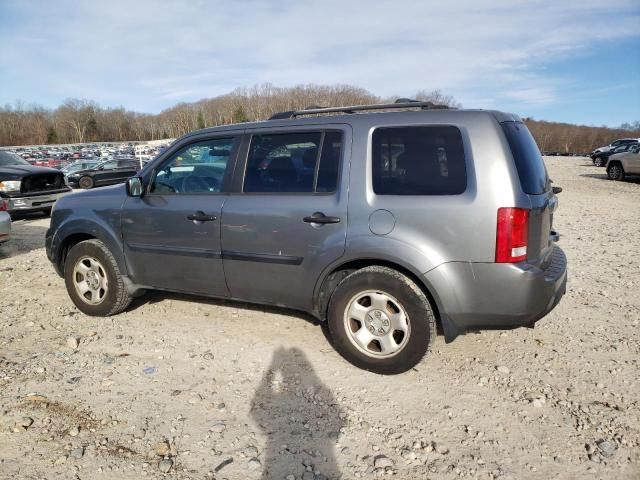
(321, 219)
(200, 217)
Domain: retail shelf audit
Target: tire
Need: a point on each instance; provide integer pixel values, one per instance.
(85, 182)
(46, 211)
(104, 293)
(615, 172)
(395, 295)
(599, 162)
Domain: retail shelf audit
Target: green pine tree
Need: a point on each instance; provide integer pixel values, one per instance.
(92, 129)
(239, 115)
(52, 136)
(200, 121)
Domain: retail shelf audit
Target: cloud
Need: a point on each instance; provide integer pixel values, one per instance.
(148, 54)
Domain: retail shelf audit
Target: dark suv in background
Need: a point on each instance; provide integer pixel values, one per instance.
(600, 159)
(104, 173)
(382, 224)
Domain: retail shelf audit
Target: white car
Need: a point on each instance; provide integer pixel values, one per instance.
(5, 221)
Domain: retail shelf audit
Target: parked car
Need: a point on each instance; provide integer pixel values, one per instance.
(615, 144)
(28, 188)
(105, 173)
(5, 221)
(51, 163)
(79, 165)
(626, 163)
(409, 218)
(600, 159)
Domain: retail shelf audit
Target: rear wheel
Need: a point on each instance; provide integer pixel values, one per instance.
(615, 172)
(85, 182)
(93, 280)
(381, 321)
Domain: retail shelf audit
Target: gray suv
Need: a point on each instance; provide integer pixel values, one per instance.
(385, 221)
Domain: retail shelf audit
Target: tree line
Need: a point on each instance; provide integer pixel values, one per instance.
(80, 121)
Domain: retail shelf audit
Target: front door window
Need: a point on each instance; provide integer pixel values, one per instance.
(196, 168)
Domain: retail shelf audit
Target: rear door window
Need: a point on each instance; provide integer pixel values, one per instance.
(296, 162)
(421, 160)
(531, 169)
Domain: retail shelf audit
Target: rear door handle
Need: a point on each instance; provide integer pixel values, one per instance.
(321, 219)
(200, 216)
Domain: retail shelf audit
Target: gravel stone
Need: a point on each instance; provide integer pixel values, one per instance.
(165, 465)
(77, 452)
(218, 428)
(607, 448)
(162, 448)
(382, 461)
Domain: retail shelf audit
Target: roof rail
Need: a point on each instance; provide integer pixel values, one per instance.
(398, 104)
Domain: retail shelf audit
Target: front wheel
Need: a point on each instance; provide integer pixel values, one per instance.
(599, 162)
(93, 280)
(616, 172)
(381, 321)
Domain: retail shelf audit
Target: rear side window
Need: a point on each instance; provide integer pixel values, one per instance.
(531, 170)
(300, 162)
(423, 160)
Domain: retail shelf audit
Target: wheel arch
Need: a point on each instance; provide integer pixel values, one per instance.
(334, 275)
(66, 244)
(71, 235)
(615, 162)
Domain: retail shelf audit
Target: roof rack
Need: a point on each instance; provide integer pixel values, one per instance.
(398, 104)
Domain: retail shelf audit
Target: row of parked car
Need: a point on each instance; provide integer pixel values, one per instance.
(27, 187)
(620, 158)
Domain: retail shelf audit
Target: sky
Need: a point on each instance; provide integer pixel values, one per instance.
(573, 61)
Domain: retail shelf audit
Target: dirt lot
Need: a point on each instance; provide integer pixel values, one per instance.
(209, 389)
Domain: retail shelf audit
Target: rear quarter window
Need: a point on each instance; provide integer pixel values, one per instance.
(418, 160)
(534, 179)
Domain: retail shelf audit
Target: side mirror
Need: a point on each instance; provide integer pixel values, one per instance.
(135, 187)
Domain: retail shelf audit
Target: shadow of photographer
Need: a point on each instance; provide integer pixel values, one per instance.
(300, 419)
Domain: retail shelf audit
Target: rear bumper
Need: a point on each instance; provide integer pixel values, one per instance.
(30, 202)
(477, 296)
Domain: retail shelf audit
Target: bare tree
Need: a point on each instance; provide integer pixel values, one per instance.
(78, 121)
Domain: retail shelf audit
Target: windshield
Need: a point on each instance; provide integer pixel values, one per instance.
(8, 159)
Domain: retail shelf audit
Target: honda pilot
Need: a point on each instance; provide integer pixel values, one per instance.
(385, 221)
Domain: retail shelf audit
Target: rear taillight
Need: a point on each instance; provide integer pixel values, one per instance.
(4, 205)
(512, 233)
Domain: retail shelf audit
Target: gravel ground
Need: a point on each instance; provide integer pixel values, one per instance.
(190, 388)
